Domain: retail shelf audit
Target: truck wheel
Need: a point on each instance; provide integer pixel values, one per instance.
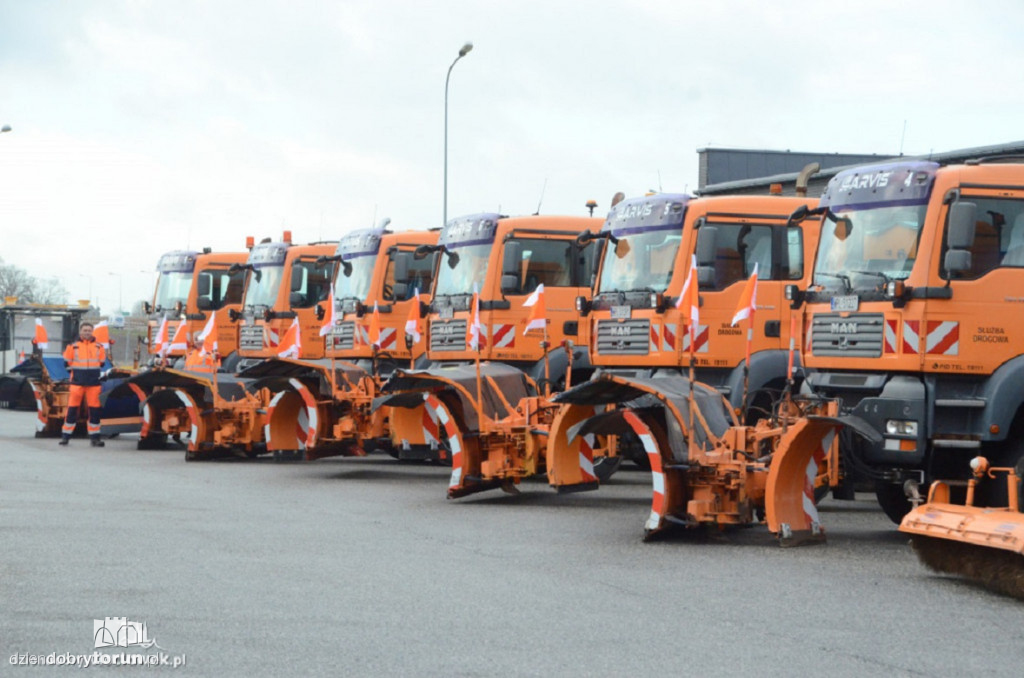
(893, 501)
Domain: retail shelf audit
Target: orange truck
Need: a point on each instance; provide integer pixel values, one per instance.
(914, 321)
(639, 331)
(482, 398)
(284, 285)
(195, 284)
(320, 408)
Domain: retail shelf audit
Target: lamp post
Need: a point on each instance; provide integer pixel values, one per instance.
(462, 52)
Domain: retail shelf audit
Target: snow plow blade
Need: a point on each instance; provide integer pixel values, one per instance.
(983, 545)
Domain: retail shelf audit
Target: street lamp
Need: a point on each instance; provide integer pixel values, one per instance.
(462, 52)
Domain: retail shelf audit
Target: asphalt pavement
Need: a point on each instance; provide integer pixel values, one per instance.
(362, 567)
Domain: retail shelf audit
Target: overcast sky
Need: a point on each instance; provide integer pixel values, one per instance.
(145, 126)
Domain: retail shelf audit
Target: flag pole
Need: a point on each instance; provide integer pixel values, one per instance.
(746, 364)
(547, 365)
(475, 323)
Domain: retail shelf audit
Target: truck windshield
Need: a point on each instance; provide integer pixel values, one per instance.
(640, 261)
(868, 247)
(470, 268)
(172, 288)
(355, 284)
(264, 284)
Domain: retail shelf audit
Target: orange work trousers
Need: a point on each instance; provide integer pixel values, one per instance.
(91, 395)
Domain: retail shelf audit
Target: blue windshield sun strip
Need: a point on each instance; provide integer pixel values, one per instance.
(634, 230)
(468, 243)
(892, 184)
(857, 207)
(347, 256)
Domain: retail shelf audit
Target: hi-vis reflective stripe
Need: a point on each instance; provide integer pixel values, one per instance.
(890, 336)
(657, 517)
(668, 338)
(943, 338)
(702, 339)
(431, 433)
(655, 337)
(503, 335)
(388, 337)
(587, 458)
(271, 338)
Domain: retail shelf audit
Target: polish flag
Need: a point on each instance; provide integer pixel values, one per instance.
(748, 301)
(160, 343)
(329, 317)
(209, 336)
(291, 344)
(476, 329)
(179, 343)
(101, 333)
(375, 327)
(41, 340)
(538, 319)
(414, 322)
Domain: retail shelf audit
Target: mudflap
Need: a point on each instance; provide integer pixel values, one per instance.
(570, 460)
(790, 510)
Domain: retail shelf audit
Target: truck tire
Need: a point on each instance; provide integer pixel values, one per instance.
(893, 501)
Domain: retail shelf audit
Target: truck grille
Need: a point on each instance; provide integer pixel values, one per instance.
(448, 335)
(858, 335)
(343, 335)
(626, 337)
(250, 338)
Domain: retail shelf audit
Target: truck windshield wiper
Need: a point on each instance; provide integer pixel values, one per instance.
(838, 276)
(875, 274)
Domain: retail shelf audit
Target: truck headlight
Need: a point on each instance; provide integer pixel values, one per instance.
(905, 427)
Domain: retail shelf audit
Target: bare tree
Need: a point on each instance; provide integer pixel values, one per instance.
(17, 282)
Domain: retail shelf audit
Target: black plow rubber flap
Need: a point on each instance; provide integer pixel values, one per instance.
(647, 394)
(275, 373)
(285, 367)
(228, 386)
(405, 388)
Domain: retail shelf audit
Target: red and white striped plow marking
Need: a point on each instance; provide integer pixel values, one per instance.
(813, 464)
(431, 433)
(654, 342)
(312, 421)
(270, 416)
(890, 336)
(40, 414)
(503, 336)
(193, 415)
(702, 339)
(587, 458)
(657, 517)
(445, 420)
(147, 418)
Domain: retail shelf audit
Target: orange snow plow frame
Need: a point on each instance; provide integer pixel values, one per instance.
(723, 473)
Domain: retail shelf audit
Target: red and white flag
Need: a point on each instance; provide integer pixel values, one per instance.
(209, 336)
(179, 342)
(291, 344)
(160, 344)
(688, 303)
(748, 301)
(414, 323)
(40, 339)
(101, 333)
(375, 327)
(538, 318)
(329, 317)
(476, 329)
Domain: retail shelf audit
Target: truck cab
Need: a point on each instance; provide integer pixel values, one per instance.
(504, 260)
(377, 267)
(286, 283)
(914, 314)
(637, 327)
(194, 285)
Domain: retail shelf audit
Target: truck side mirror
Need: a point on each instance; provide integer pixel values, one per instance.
(509, 283)
(705, 276)
(204, 303)
(706, 250)
(512, 259)
(296, 283)
(296, 299)
(962, 220)
(401, 261)
(204, 285)
(400, 291)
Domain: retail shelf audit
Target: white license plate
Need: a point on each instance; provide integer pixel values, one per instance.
(621, 312)
(847, 303)
(447, 312)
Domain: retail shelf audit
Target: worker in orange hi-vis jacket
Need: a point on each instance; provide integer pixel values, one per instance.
(197, 359)
(84, 359)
